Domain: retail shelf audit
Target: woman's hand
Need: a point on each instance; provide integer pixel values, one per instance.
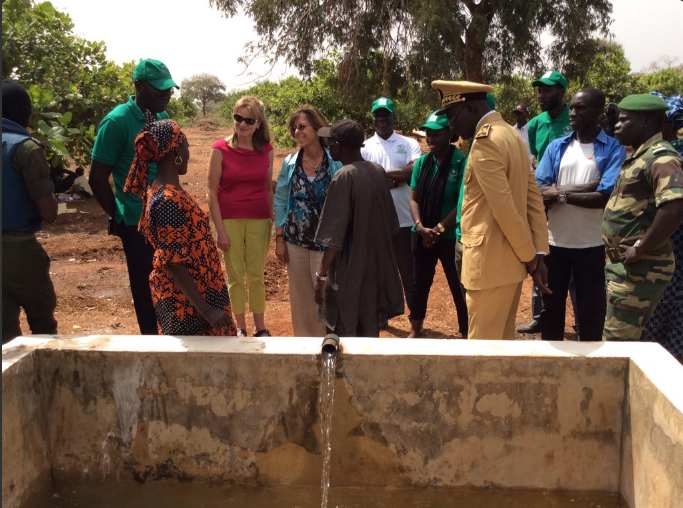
(217, 318)
(281, 249)
(223, 241)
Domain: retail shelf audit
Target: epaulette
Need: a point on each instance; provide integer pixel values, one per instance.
(41, 145)
(484, 131)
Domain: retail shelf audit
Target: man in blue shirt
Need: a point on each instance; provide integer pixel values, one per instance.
(576, 177)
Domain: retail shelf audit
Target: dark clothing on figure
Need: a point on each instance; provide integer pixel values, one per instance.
(359, 219)
(588, 268)
(424, 268)
(404, 260)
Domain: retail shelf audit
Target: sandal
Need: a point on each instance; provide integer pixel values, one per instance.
(263, 333)
(241, 332)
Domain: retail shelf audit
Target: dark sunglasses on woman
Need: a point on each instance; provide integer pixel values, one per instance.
(240, 119)
(300, 127)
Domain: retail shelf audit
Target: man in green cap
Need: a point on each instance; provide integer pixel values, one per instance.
(644, 210)
(112, 156)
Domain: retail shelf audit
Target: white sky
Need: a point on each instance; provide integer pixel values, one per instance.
(192, 38)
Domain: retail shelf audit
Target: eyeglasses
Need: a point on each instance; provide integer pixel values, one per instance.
(240, 119)
(300, 127)
(451, 122)
(159, 93)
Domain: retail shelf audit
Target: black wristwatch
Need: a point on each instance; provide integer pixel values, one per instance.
(562, 198)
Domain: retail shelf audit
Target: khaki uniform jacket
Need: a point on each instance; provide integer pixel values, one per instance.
(503, 217)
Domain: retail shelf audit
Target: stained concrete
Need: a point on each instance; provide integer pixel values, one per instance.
(407, 413)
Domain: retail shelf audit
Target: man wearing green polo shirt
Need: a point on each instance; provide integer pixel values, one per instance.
(112, 155)
(552, 124)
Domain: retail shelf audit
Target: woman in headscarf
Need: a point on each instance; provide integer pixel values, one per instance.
(188, 288)
(665, 326)
(301, 191)
(434, 192)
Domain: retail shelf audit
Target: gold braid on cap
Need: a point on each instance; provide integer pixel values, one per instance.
(452, 99)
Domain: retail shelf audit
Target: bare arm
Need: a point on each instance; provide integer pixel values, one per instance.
(215, 317)
(402, 174)
(47, 207)
(666, 221)
(213, 182)
(429, 236)
(583, 195)
(99, 182)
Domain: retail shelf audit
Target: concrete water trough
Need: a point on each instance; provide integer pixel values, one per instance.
(407, 413)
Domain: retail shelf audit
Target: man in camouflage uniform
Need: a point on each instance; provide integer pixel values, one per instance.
(644, 210)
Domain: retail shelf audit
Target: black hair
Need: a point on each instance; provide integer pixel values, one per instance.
(596, 96)
(16, 103)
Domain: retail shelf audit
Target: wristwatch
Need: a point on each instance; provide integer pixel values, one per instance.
(440, 228)
(562, 198)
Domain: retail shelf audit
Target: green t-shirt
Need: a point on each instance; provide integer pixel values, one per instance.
(543, 130)
(453, 185)
(115, 146)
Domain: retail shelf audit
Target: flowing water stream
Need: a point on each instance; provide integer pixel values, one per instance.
(326, 406)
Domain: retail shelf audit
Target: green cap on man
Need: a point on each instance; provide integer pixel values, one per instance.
(155, 73)
(551, 78)
(643, 102)
(383, 103)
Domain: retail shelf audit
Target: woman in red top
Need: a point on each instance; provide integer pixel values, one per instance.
(241, 204)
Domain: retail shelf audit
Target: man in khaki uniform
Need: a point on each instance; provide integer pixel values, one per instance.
(504, 230)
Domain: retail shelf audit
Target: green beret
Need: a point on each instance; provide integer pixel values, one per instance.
(643, 102)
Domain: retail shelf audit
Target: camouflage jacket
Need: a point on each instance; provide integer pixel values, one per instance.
(649, 177)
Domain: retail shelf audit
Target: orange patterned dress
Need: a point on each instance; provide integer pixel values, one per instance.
(180, 232)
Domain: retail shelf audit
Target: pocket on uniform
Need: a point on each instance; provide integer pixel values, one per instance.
(472, 255)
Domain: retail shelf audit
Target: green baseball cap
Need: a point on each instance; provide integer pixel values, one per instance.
(436, 122)
(384, 103)
(551, 78)
(643, 102)
(155, 73)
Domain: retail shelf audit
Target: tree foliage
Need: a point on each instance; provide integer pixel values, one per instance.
(665, 81)
(182, 109)
(476, 39)
(68, 77)
(205, 88)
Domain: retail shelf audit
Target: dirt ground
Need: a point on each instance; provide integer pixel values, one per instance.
(93, 296)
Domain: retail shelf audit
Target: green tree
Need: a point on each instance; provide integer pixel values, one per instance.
(665, 81)
(77, 82)
(205, 88)
(182, 109)
(477, 39)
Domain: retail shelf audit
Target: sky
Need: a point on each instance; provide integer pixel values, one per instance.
(191, 38)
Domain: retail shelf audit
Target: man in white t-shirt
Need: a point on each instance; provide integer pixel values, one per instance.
(576, 177)
(521, 114)
(396, 154)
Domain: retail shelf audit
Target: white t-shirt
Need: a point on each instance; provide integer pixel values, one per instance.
(572, 226)
(392, 153)
(524, 133)
(83, 182)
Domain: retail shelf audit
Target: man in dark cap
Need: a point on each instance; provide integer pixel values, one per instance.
(643, 212)
(112, 155)
(27, 200)
(358, 279)
(504, 231)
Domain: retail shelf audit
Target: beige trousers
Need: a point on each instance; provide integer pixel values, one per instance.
(492, 312)
(301, 269)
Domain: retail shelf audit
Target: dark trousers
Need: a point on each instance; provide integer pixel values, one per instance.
(424, 267)
(367, 326)
(588, 268)
(26, 285)
(404, 259)
(139, 254)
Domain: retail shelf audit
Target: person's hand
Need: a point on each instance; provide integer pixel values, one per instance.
(281, 249)
(217, 318)
(223, 241)
(630, 254)
(429, 235)
(540, 276)
(320, 292)
(550, 195)
(532, 265)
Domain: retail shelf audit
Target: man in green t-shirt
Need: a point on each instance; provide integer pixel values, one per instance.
(112, 156)
(551, 124)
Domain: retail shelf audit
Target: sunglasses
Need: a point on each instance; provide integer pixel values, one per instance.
(300, 127)
(159, 93)
(240, 119)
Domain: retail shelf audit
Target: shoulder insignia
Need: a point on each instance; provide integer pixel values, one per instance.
(660, 150)
(484, 131)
